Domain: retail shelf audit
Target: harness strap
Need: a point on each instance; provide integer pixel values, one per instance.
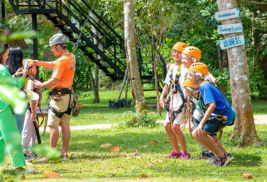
(175, 86)
(188, 116)
(60, 114)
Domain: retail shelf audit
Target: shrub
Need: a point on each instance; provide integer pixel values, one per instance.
(133, 119)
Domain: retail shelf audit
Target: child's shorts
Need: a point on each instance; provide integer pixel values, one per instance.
(179, 119)
(213, 126)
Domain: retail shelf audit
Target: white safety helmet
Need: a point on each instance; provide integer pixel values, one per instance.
(59, 38)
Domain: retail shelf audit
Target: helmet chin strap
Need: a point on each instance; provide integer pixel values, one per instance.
(196, 80)
(58, 50)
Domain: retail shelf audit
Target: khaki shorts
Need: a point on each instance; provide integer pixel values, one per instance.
(59, 106)
(179, 118)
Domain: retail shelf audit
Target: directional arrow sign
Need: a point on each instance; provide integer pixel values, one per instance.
(230, 28)
(232, 42)
(225, 15)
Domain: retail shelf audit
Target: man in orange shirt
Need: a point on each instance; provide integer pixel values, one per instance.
(61, 94)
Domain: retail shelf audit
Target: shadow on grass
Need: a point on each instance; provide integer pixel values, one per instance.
(128, 141)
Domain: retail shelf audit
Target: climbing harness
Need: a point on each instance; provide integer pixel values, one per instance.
(173, 89)
(56, 95)
(215, 118)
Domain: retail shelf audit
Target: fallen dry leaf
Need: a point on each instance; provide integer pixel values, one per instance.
(249, 176)
(154, 143)
(142, 176)
(51, 175)
(127, 152)
(105, 145)
(135, 150)
(115, 149)
(229, 134)
(22, 176)
(157, 161)
(168, 142)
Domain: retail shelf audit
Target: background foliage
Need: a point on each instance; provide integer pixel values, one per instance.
(192, 22)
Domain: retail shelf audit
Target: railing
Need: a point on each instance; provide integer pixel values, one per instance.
(112, 43)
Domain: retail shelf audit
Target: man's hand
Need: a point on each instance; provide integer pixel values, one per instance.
(38, 84)
(162, 102)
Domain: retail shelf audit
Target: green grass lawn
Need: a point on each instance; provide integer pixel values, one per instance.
(101, 114)
(89, 161)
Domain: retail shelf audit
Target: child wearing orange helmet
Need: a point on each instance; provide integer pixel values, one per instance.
(175, 115)
(29, 130)
(192, 55)
(217, 113)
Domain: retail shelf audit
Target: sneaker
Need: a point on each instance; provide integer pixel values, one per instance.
(220, 161)
(30, 157)
(173, 155)
(211, 156)
(203, 155)
(22, 170)
(185, 156)
(65, 157)
(230, 158)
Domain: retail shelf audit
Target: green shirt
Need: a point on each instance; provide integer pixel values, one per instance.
(10, 81)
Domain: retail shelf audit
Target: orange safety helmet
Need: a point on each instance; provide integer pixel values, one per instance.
(193, 51)
(179, 46)
(199, 68)
(187, 83)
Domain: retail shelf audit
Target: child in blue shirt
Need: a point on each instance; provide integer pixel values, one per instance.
(218, 113)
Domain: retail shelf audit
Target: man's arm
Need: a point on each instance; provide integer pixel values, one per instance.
(48, 65)
(50, 83)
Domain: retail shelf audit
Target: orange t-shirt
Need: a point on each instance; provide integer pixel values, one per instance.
(64, 70)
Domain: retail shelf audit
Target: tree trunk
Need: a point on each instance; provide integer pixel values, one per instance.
(240, 90)
(130, 44)
(223, 63)
(96, 81)
(154, 62)
(92, 81)
(124, 79)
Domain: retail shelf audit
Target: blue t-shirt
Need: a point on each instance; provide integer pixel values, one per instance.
(210, 93)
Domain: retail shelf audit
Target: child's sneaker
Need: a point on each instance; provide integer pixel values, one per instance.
(173, 155)
(185, 156)
(230, 158)
(203, 155)
(220, 161)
